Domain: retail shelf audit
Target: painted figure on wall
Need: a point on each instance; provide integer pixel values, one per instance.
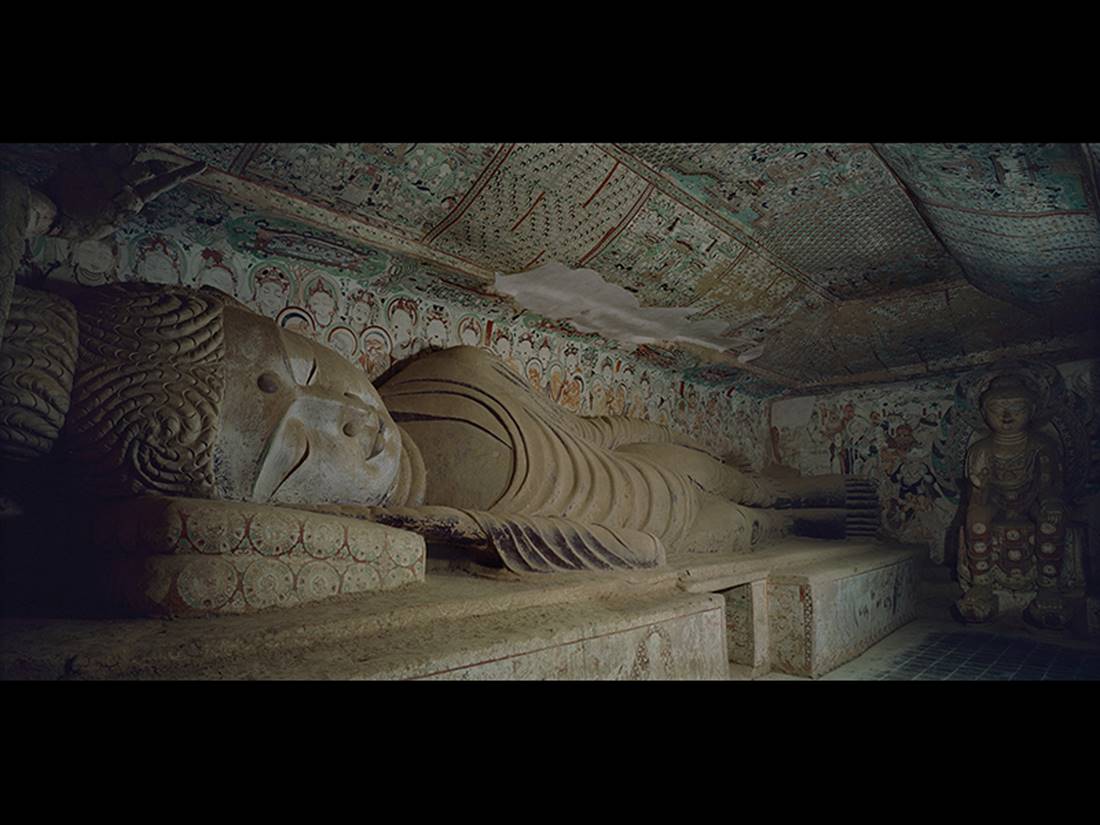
(321, 300)
(534, 373)
(297, 319)
(271, 289)
(343, 340)
(1015, 521)
(376, 351)
(555, 382)
(469, 331)
(361, 309)
(158, 259)
(572, 393)
(216, 272)
(403, 314)
(524, 350)
(437, 327)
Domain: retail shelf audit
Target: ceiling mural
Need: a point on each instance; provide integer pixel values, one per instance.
(827, 263)
(1020, 218)
(833, 211)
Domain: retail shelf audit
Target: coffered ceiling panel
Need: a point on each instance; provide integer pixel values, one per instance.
(1021, 218)
(831, 211)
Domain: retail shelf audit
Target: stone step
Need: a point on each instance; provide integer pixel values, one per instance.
(831, 600)
(812, 607)
(665, 634)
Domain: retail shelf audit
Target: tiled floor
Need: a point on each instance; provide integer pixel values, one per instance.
(934, 650)
(964, 656)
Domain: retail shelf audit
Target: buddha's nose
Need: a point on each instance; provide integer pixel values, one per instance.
(360, 422)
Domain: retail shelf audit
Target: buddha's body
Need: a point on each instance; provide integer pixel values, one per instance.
(493, 449)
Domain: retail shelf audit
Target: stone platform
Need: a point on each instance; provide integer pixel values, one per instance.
(804, 607)
(801, 607)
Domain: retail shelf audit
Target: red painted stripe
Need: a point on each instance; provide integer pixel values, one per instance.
(523, 217)
(475, 190)
(534, 260)
(1020, 215)
(612, 233)
(601, 186)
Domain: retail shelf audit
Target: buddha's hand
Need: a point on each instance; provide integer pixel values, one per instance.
(435, 523)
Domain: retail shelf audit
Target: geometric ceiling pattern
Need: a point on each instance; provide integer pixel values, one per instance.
(833, 263)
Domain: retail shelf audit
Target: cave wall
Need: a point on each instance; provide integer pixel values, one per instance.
(377, 309)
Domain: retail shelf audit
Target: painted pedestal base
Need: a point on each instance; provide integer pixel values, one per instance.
(193, 557)
(821, 618)
(805, 607)
(668, 637)
(450, 627)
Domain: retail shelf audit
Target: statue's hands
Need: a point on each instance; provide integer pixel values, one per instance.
(100, 189)
(436, 523)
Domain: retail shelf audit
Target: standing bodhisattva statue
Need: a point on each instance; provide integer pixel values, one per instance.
(1015, 521)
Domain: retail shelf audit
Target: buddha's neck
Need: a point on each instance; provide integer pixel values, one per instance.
(1010, 440)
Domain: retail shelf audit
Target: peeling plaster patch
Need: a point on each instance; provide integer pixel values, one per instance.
(591, 304)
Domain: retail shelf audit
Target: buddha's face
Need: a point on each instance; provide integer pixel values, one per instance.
(299, 424)
(1008, 416)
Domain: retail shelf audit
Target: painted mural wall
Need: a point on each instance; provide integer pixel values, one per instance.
(376, 309)
(900, 436)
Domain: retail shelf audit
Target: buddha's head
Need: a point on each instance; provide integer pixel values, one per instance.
(1008, 405)
(183, 392)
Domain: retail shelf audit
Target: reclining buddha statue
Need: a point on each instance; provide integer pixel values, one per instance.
(189, 424)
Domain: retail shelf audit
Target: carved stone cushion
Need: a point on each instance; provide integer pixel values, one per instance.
(192, 557)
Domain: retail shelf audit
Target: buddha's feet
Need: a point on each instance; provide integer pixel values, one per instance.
(979, 604)
(1047, 610)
